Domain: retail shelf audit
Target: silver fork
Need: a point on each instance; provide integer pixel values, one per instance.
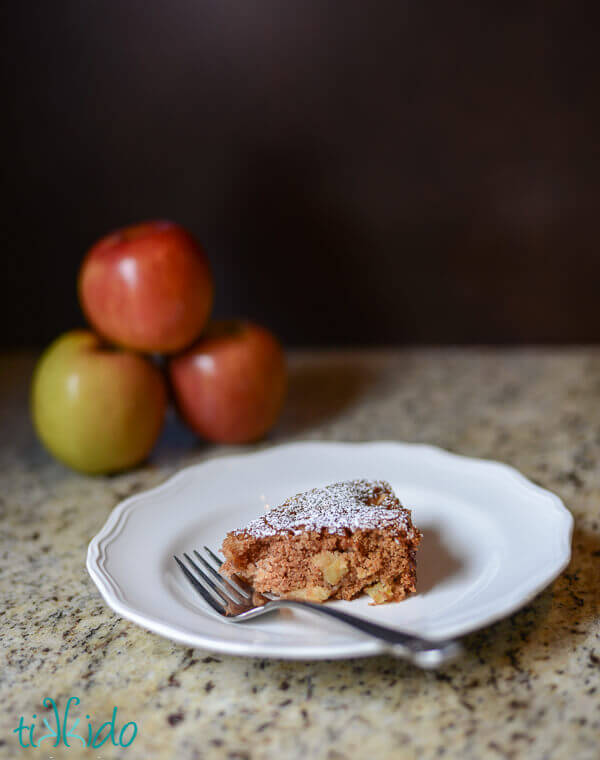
(237, 601)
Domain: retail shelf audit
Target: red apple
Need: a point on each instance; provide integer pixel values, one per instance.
(95, 408)
(148, 287)
(230, 385)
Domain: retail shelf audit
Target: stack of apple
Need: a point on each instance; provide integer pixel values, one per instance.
(99, 398)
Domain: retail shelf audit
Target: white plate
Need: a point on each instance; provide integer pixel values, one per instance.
(492, 541)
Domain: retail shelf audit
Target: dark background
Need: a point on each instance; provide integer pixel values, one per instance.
(359, 172)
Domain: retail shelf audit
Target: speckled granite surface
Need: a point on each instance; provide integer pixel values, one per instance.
(528, 687)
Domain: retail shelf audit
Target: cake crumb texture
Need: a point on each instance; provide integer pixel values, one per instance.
(329, 543)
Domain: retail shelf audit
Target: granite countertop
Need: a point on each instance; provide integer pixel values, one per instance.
(527, 687)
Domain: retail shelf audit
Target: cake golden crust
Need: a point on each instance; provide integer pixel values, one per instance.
(329, 543)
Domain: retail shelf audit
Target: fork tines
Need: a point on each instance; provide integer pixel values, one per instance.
(225, 596)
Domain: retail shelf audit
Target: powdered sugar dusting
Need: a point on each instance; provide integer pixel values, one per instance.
(339, 508)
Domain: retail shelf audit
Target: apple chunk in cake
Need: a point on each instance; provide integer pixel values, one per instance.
(329, 543)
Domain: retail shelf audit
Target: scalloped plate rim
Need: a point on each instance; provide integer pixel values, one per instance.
(113, 594)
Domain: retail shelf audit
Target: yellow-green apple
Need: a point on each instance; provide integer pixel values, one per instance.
(95, 408)
(147, 287)
(230, 385)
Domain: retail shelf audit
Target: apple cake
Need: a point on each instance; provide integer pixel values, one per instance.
(329, 543)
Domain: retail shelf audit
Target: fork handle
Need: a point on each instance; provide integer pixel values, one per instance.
(422, 652)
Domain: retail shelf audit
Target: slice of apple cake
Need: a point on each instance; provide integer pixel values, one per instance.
(329, 543)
